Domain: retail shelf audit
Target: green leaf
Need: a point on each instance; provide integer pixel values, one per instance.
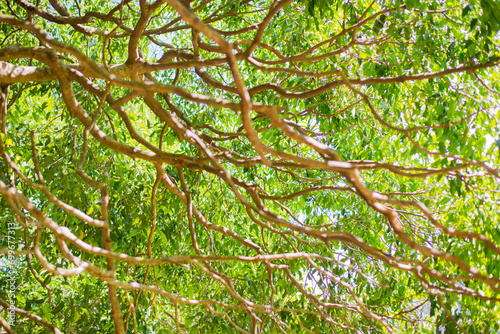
(58, 308)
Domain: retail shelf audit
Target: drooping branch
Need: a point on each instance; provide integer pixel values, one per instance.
(289, 176)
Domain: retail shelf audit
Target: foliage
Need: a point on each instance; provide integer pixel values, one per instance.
(255, 166)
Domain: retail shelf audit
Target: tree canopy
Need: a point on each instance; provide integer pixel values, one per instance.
(223, 166)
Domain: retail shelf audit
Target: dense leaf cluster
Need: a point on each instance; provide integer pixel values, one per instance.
(221, 166)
